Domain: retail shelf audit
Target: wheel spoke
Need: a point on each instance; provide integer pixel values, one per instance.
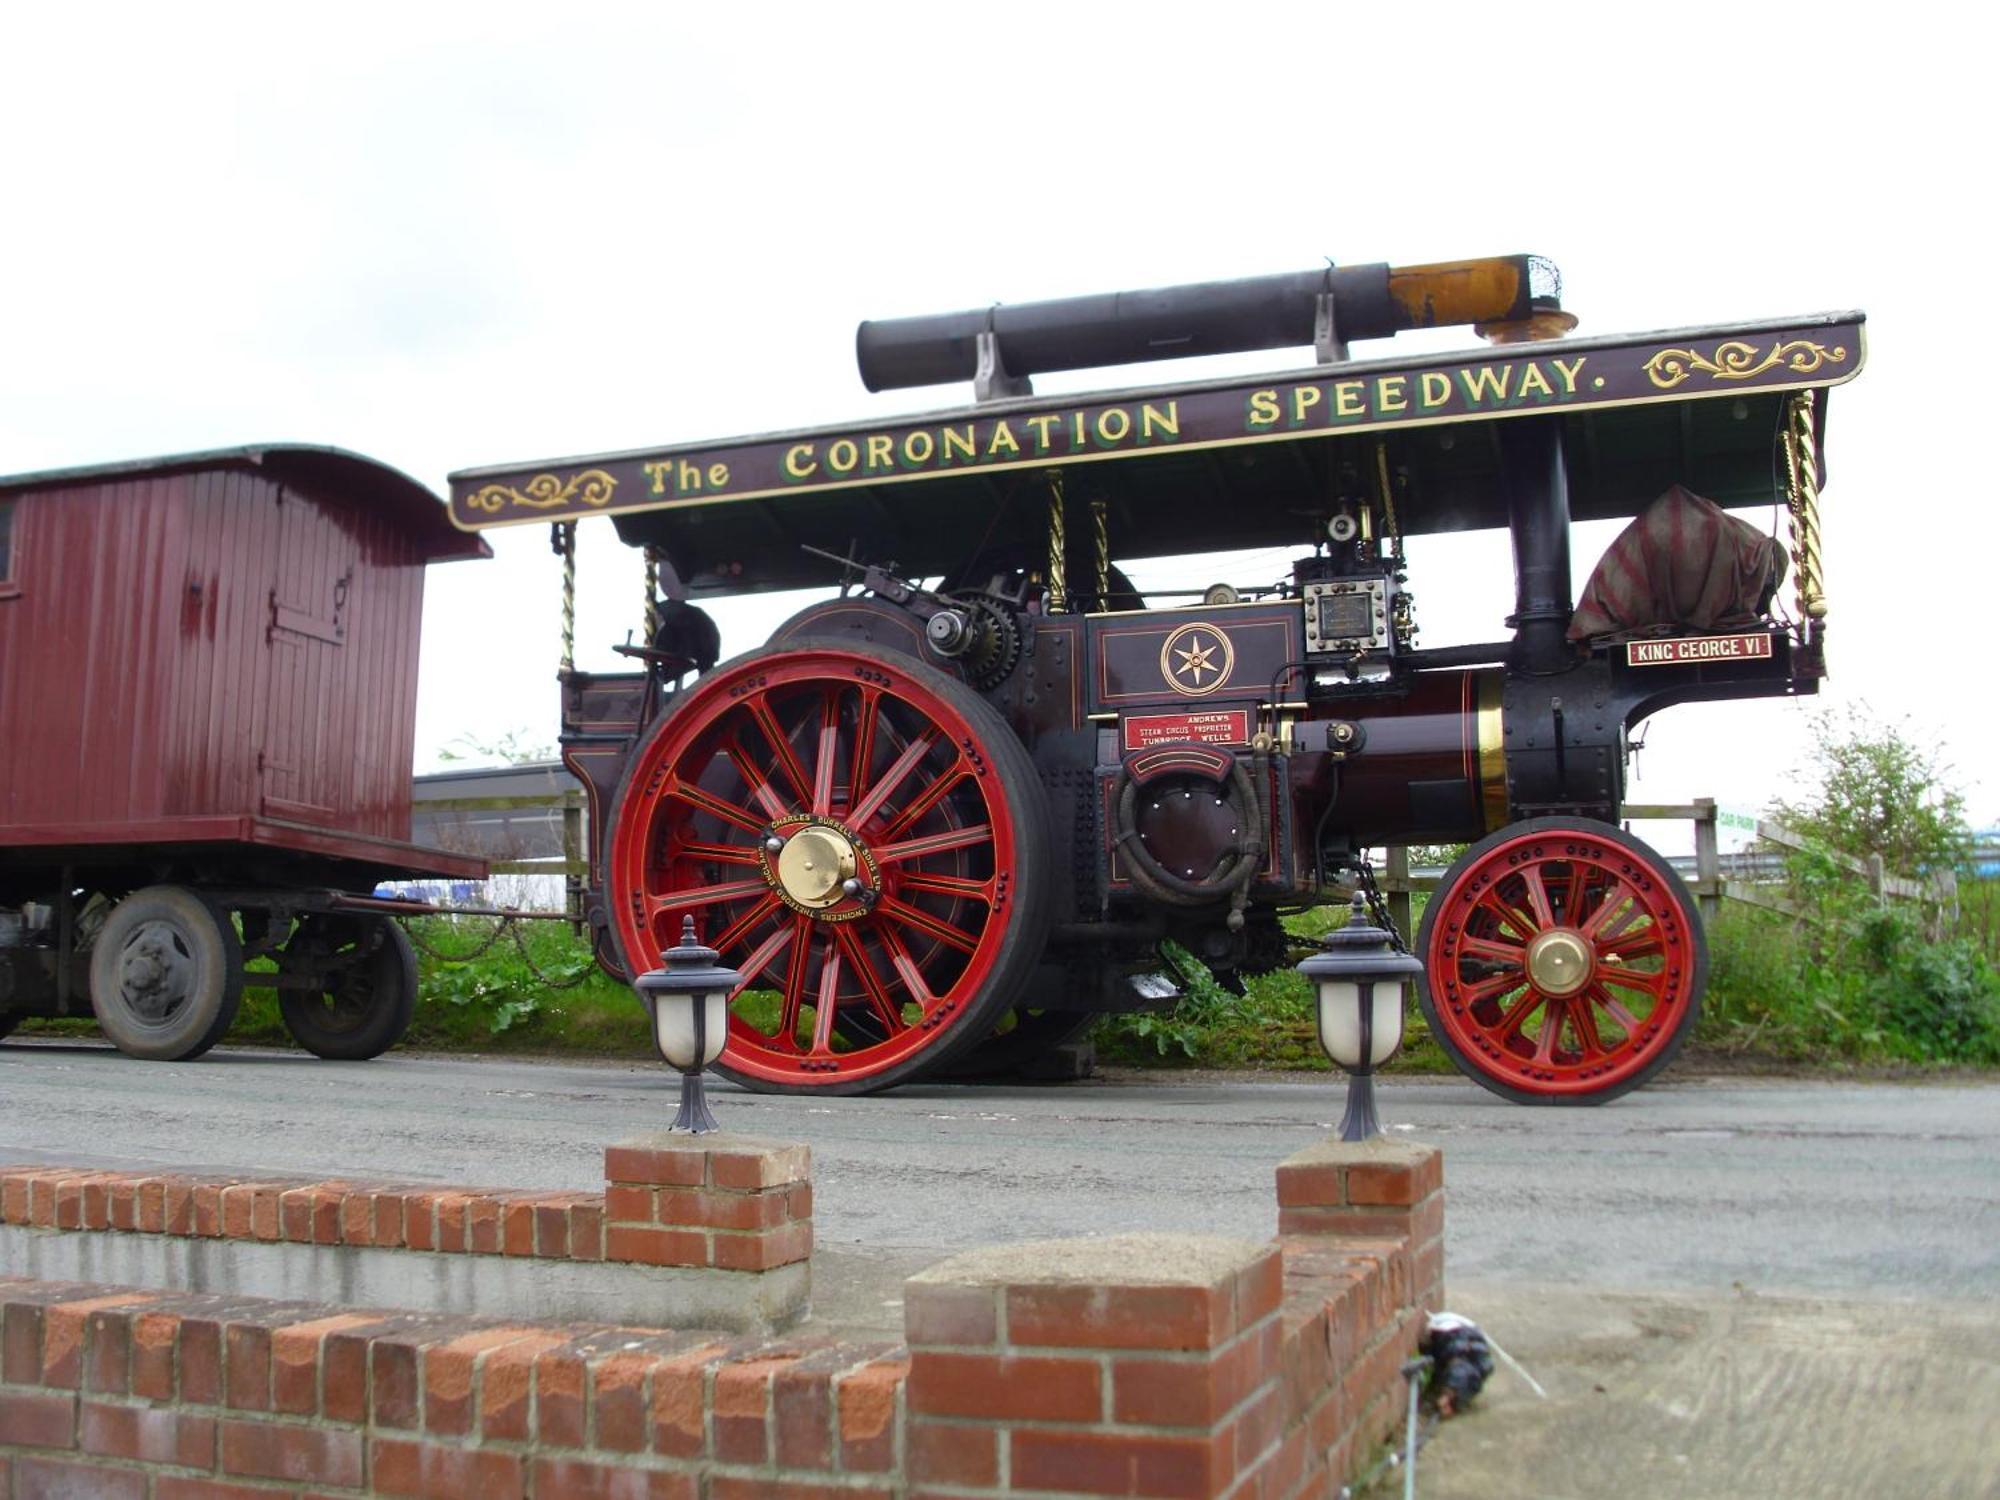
(1516, 1015)
(828, 1002)
(1499, 953)
(1619, 902)
(787, 1035)
(1615, 1008)
(1645, 943)
(760, 958)
(1586, 1031)
(705, 895)
(927, 799)
(936, 843)
(1487, 989)
(907, 970)
(1631, 979)
(720, 854)
(1552, 1019)
(867, 714)
(923, 921)
(761, 791)
(1508, 915)
(781, 746)
(708, 802)
(898, 772)
(871, 982)
(829, 750)
(1538, 897)
(1574, 892)
(746, 924)
(946, 885)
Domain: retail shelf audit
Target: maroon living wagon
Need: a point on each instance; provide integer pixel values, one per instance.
(208, 677)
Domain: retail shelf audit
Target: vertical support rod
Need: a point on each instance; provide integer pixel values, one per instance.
(1100, 529)
(652, 616)
(1396, 875)
(1058, 579)
(1537, 486)
(562, 541)
(1707, 861)
(572, 837)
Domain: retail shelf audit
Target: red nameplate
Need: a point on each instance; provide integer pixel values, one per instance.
(1230, 726)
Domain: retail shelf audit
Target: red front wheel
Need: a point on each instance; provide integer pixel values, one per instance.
(1563, 962)
(861, 837)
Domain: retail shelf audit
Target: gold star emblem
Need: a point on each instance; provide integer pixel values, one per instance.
(1195, 659)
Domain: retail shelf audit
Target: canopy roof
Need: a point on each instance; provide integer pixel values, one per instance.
(1248, 461)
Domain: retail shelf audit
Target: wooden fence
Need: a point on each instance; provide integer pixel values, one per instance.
(1716, 877)
(570, 864)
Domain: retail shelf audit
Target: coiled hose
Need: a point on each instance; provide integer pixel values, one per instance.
(1233, 871)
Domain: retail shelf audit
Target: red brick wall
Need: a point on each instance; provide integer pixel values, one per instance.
(727, 1204)
(1157, 1365)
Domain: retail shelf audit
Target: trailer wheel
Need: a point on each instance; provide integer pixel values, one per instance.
(1564, 962)
(366, 977)
(858, 834)
(166, 974)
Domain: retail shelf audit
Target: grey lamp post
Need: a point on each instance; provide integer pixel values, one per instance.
(689, 999)
(1358, 979)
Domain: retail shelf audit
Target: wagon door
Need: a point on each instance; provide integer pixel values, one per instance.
(304, 762)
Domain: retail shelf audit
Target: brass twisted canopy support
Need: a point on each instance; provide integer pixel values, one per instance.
(562, 541)
(1801, 445)
(1100, 530)
(1058, 580)
(652, 616)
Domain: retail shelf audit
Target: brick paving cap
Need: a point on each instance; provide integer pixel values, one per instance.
(1114, 1260)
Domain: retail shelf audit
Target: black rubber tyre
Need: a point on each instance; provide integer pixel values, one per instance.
(8, 1021)
(166, 974)
(1622, 903)
(364, 1007)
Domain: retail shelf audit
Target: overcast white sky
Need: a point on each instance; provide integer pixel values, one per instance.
(451, 235)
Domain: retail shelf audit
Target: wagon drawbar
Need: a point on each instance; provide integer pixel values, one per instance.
(955, 811)
(208, 672)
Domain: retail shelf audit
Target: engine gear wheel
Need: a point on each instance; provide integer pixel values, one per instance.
(998, 634)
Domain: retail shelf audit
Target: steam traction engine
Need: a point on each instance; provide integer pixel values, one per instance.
(956, 810)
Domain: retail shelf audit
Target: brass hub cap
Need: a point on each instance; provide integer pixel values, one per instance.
(1560, 962)
(815, 867)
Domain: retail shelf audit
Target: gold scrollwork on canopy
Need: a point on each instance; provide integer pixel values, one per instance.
(1736, 360)
(545, 492)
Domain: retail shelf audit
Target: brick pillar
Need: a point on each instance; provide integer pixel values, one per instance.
(1145, 1364)
(721, 1201)
(1376, 1189)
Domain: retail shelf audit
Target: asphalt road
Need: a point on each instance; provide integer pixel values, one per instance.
(1708, 1185)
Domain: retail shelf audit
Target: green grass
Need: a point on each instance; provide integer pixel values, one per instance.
(1864, 990)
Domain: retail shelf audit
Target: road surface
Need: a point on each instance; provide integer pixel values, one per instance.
(1785, 1186)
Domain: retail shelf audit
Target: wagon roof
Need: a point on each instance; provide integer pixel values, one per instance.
(1243, 461)
(310, 465)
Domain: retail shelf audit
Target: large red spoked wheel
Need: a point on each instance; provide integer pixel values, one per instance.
(861, 837)
(1563, 962)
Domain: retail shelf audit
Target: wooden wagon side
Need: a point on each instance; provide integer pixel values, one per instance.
(208, 672)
